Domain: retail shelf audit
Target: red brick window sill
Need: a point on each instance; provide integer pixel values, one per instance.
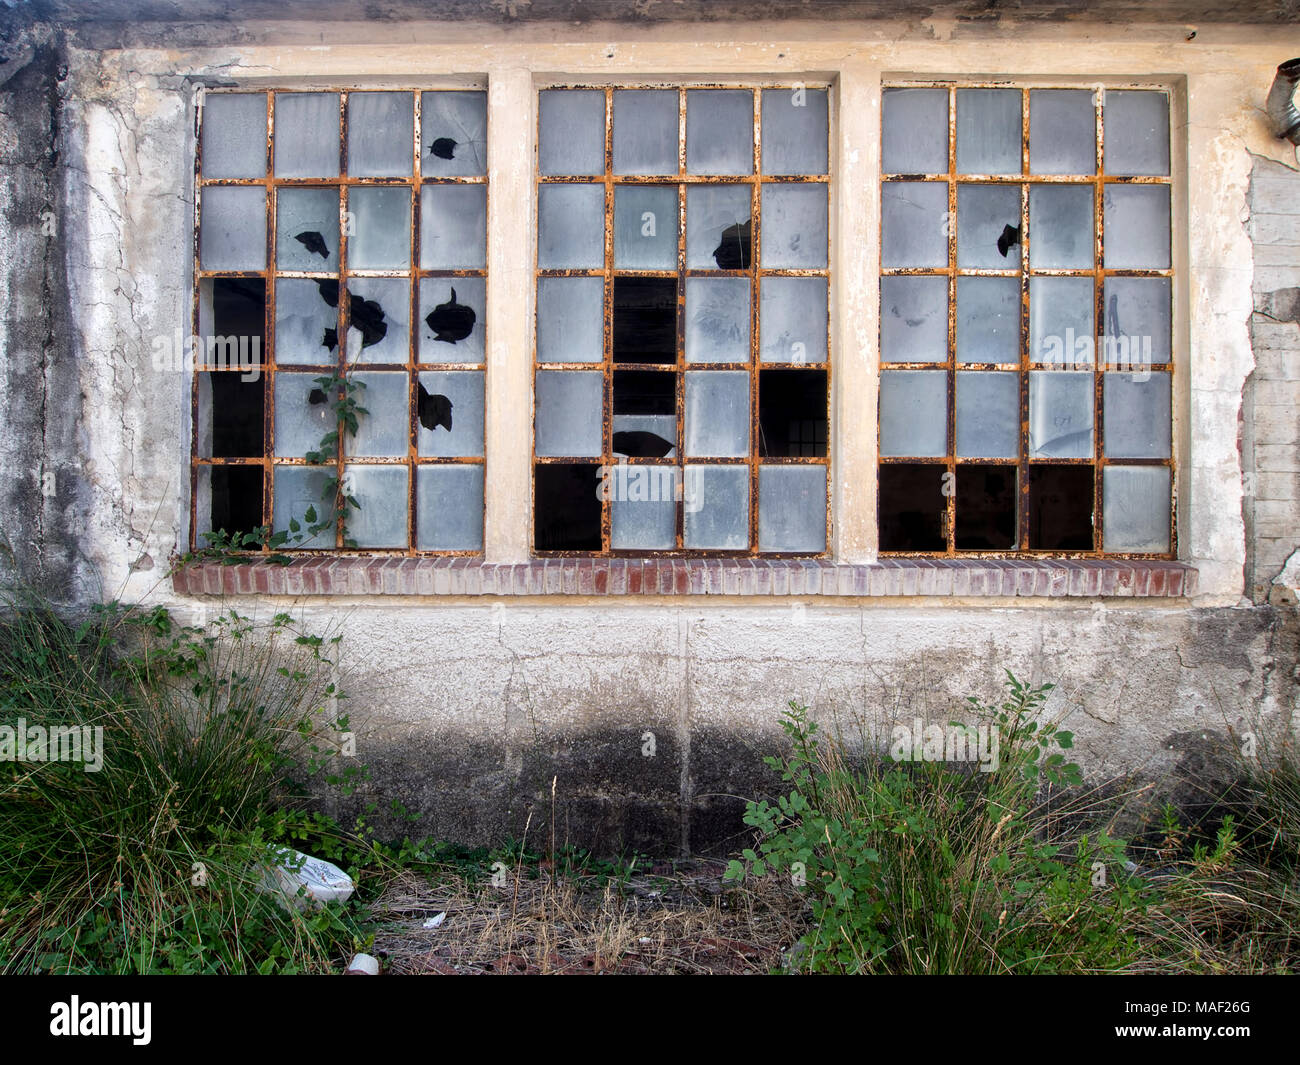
(610, 577)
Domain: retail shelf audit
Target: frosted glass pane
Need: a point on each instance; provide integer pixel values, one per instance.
(717, 319)
(381, 134)
(568, 413)
(306, 326)
(643, 507)
(1137, 132)
(453, 227)
(913, 225)
(1062, 132)
(390, 297)
(645, 131)
(234, 135)
(307, 134)
(384, 430)
(449, 508)
(915, 139)
(988, 131)
(988, 319)
(1137, 321)
(792, 319)
(795, 131)
(719, 131)
(232, 230)
(988, 415)
(1135, 502)
(717, 227)
(984, 215)
(794, 226)
(1136, 227)
(914, 319)
(1061, 222)
(381, 235)
(571, 139)
(452, 402)
(914, 413)
(453, 131)
(1061, 328)
(299, 489)
(1060, 415)
(382, 492)
(1137, 415)
(307, 230)
(716, 507)
(570, 319)
(303, 414)
(645, 227)
(792, 508)
(571, 227)
(453, 315)
(717, 414)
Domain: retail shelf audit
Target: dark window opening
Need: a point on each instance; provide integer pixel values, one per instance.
(912, 507)
(236, 498)
(986, 508)
(237, 416)
(792, 413)
(645, 392)
(566, 507)
(645, 319)
(1060, 508)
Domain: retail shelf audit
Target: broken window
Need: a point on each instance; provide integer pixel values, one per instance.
(682, 364)
(1025, 321)
(339, 324)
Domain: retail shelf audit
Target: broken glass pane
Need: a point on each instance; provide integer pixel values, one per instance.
(914, 319)
(1135, 501)
(912, 507)
(792, 413)
(385, 430)
(988, 131)
(304, 413)
(717, 414)
(914, 224)
(794, 226)
(381, 134)
(306, 327)
(230, 416)
(988, 319)
(453, 134)
(986, 508)
(792, 319)
(914, 413)
(715, 502)
(382, 492)
(232, 325)
(645, 131)
(915, 137)
(229, 498)
(449, 508)
(1136, 234)
(1137, 321)
(1136, 413)
(300, 490)
(1062, 132)
(234, 135)
(307, 134)
(719, 131)
(717, 319)
(570, 319)
(1137, 132)
(1060, 415)
(645, 227)
(380, 238)
(1060, 508)
(988, 227)
(232, 228)
(718, 227)
(988, 415)
(307, 230)
(453, 227)
(571, 227)
(1061, 331)
(449, 408)
(567, 506)
(453, 314)
(572, 136)
(645, 319)
(794, 131)
(643, 507)
(792, 508)
(392, 297)
(568, 413)
(1061, 223)
(644, 421)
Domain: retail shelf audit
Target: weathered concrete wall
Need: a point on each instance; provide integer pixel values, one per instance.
(467, 710)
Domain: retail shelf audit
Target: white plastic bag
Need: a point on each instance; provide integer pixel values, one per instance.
(320, 880)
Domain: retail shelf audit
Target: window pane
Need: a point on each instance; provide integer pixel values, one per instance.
(1060, 508)
(382, 492)
(914, 224)
(792, 413)
(719, 132)
(307, 135)
(792, 508)
(716, 506)
(717, 319)
(1137, 415)
(229, 498)
(571, 230)
(449, 414)
(1062, 132)
(986, 509)
(914, 413)
(792, 319)
(385, 431)
(381, 134)
(717, 414)
(303, 414)
(1137, 132)
(1137, 227)
(300, 490)
(988, 131)
(382, 221)
(718, 227)
(1061, 227)
(572, 135)
(794, 226)
(645, 131)
(570, 319)
(988, 415)
(230, 416)
(645, 319)
(1060, 415)
(568, 413)
(915, 139)
(912, 507)
(234, 135)
(566, 507)
(1136, 508)
(307, 230)
(988, 319)
(375, 300)
(449, 508)
(644, 422)
(306, 326)
(453, 313)
(794, 131)
(1061, 330)
(643, 507)
(1137, 321)
(232, 323)
(232, 229)
(914, 319)
(988, 227)
(645, 227)
(453, 227)
(453, 129)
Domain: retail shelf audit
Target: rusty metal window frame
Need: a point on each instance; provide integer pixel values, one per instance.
(1024, 181)
(414, 275)
(683, 180)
